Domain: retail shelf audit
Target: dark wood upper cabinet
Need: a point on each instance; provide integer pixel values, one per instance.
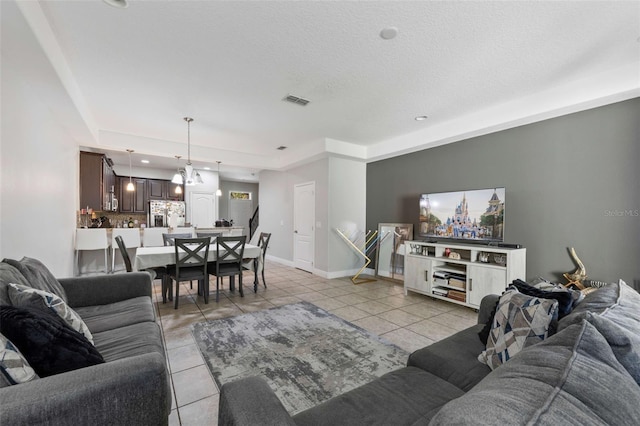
(133, 201)
(158, 189)
(97, 179)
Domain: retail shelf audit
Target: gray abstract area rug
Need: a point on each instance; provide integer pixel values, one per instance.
(306, 354)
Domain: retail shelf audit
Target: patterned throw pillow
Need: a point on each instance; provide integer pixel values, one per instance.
(520, 321)
(13, 367)
(22, 296)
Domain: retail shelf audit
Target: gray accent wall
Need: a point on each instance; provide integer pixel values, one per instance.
(571, 181)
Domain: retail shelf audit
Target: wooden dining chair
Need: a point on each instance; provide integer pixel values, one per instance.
(229, 253)
(253, 264)
(158, 272)
(190, 264)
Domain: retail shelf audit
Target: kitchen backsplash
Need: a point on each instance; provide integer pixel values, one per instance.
(114, 220)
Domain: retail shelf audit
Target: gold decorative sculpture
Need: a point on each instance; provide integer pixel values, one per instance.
(363, 244)
(576, 278)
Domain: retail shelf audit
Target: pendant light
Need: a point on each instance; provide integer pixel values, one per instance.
(192, 177)
(130, 186)
(219, 191)
(177, 178)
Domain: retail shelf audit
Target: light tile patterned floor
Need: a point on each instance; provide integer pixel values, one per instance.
(411, 322)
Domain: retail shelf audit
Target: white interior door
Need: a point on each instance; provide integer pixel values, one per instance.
(203, 209)
(304, 208)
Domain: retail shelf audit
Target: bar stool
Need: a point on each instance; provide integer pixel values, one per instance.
(130, 237)
(92, 239)
(152, 237)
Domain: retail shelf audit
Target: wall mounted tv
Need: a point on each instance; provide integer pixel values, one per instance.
(473, 216)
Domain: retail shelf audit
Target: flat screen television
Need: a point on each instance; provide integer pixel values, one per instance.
(473, 216)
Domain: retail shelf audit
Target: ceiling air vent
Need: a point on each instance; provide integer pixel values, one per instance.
(296, 100)
(281, 148)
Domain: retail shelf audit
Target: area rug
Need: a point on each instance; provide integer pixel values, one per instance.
(306, 354)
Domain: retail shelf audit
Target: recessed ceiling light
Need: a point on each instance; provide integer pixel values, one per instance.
(207, 168)
(120, 4)
(421, 118)
(389, 33)
(144, 161)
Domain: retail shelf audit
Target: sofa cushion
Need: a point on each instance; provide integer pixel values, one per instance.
(22, 296)
(119, 314)
(454, 359)
(618, 302)
(9, 274)
(38, 276)
(520, 321)
(132, 340)
(46, 341)
(404, 396)
(624, 342)
(14, 368)
(571, 378)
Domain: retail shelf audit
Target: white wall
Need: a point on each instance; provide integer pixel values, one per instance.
(38, 154)
(340, 199)
(347, 211)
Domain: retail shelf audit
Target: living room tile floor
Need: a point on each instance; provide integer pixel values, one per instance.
(410, 322)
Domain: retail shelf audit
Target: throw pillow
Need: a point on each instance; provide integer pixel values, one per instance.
(520, 321)
(22, 296)
(39, 276)
(14, 368)
(564, 298)
(46, 341)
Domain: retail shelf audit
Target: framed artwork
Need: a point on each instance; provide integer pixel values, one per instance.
(390, 249)
(237, 195)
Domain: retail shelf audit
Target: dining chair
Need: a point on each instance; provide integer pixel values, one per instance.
(169, 239)
(131, 238)
(212, 235)
(228, 263)
(154, 272)
(254, 264)
(152, 237)
(190, 264)
(92, 239)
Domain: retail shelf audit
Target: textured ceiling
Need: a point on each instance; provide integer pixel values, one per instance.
(229, 64)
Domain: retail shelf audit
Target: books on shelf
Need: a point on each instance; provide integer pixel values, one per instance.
(439, 291)
(440, 281)
(455, 282)
(460, 296)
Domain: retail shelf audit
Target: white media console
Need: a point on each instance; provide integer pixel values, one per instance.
(430, 269)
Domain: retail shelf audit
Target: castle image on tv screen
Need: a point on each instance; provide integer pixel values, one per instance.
(466, 215)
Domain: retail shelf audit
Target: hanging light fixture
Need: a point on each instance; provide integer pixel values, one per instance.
(219, 191)
(192, 177)
(177, 178)
(130, 186)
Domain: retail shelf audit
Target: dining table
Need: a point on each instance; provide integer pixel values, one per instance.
(153, 257)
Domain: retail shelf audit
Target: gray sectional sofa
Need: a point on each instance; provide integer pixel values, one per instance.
(586, 373)
(131, 387)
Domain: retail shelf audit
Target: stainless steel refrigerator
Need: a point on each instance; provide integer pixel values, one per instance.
(165, 213)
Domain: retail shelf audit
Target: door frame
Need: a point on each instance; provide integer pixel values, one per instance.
(313, 228)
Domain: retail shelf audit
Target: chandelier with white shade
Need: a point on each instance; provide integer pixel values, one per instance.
(189, 176)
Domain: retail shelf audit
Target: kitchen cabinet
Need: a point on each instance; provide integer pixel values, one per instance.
(97, 180)
(158, 189)
(135, 201)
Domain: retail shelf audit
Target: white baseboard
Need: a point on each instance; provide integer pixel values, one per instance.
(324, 274)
